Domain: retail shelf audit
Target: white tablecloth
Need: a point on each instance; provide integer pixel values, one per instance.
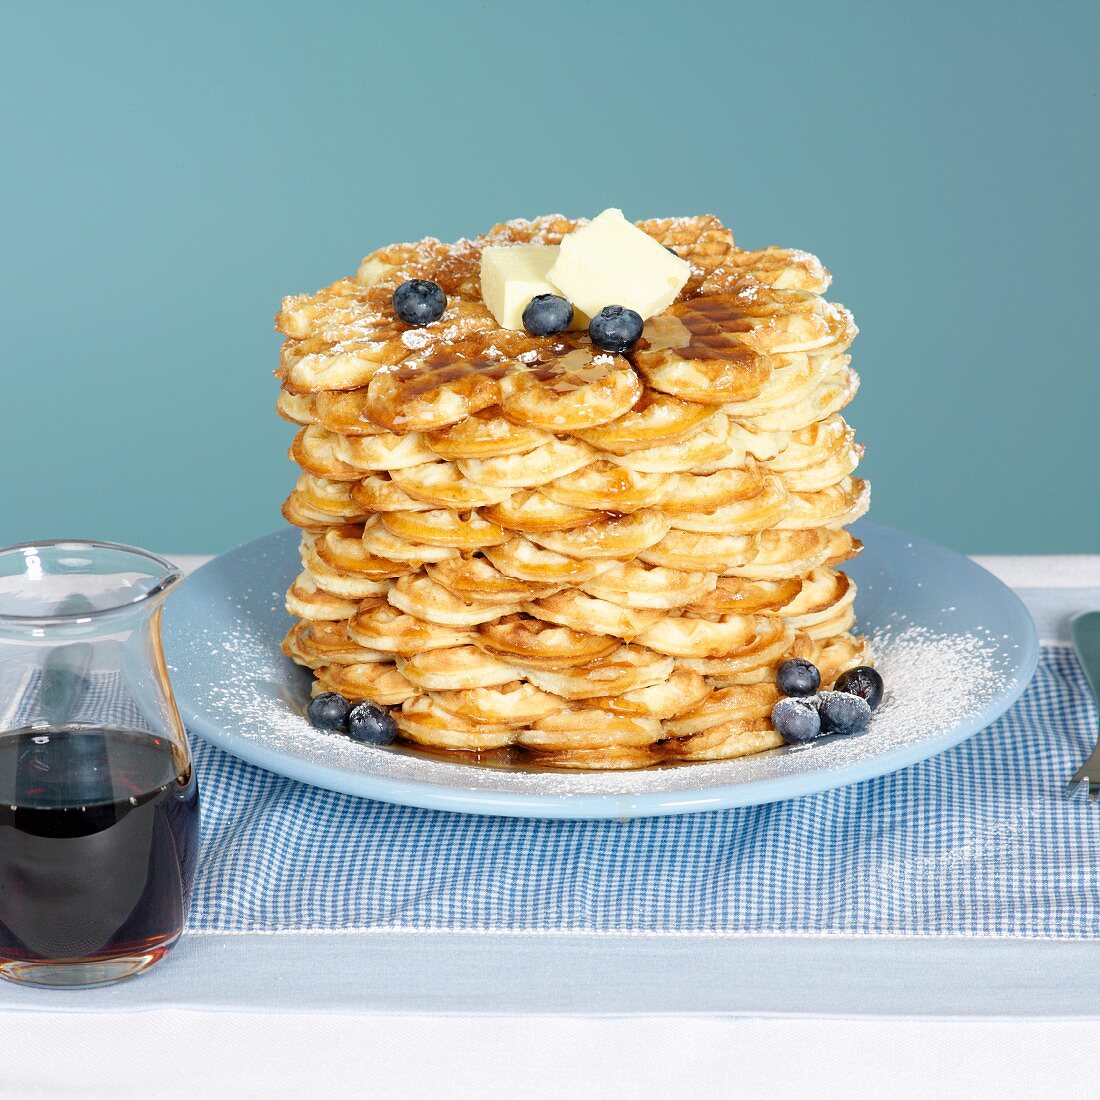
(279, 1050)
(196, 1054)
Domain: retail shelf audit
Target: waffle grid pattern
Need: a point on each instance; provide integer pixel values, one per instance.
(528, 546)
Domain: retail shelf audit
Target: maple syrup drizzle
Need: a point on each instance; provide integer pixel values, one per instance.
(567, 362)
(447, 368)
(567, 365)
(709, 323)
(561, 366)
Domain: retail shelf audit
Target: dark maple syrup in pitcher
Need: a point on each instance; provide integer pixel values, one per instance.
(98, 838)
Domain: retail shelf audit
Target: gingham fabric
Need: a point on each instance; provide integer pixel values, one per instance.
(980, 840)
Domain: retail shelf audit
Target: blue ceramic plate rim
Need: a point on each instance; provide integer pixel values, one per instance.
(1021, 635)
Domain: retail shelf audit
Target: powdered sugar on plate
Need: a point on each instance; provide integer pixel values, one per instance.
(954, 648)
(934, 682)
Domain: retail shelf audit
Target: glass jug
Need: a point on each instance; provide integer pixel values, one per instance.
(99, 810)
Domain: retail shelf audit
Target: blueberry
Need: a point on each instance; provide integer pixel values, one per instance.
(796, 721)
(863, 681)
(419, 301)
(328, 711)
(798, 677)
(842, 713)
(615, 329)
(371, 723)
(546, 314)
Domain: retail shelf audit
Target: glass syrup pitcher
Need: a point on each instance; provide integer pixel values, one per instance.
(99, 809)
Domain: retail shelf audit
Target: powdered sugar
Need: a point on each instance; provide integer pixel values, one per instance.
(415, 339)
(936, 683)
(955, 674)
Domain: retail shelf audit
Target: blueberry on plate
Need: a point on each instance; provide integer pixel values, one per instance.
(419, 301)
(615, 329)
(796, 721)
(328, 711)
(863, 681)
(798, 677)
(546, 314)
(842, 713)
(371, 723)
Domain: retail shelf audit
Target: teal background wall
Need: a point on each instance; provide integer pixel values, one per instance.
(169, 170)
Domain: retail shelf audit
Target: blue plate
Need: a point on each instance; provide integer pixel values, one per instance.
(956, 648)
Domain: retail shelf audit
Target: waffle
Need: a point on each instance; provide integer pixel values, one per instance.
(595, 561)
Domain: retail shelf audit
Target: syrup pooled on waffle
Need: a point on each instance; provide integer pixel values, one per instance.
(587, 559)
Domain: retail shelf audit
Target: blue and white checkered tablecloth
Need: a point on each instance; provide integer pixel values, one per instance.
(980, 840)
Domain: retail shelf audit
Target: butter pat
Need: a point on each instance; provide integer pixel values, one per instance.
(611, 262)
(512, 275)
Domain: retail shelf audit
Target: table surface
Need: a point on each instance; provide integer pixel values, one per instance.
(454, 1013)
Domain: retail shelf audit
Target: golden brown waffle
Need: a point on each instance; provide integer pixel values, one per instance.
(595, 561)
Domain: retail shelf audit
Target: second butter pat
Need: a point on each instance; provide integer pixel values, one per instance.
(610, 261)
(514, 274)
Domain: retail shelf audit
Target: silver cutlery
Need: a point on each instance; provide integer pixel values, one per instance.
(1085, 631)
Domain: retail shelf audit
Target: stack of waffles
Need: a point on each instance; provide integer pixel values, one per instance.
(533, 549)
